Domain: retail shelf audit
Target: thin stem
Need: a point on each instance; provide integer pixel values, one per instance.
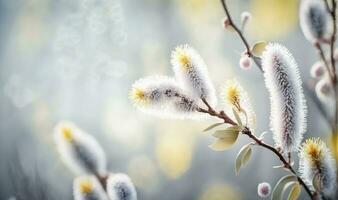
(241, 35)
(259, 142)
(333, 64)
(322, 57)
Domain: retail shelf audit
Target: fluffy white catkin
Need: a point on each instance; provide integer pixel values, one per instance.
(314, 20)
(162, 96)
(192, 74)
(79, 150)
(315, 159)
(288, 107)
(88, 188)
(120, 187)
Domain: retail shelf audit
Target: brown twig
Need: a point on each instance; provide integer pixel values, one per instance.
(258, 141)
(241, 35)
(333, 63)
(322, 57)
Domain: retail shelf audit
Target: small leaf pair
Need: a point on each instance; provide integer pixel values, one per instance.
(283, 184)
(225, 138)
(243, 157)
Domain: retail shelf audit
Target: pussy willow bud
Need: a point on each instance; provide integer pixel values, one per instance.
(315, 159)
(264, 189)
(88, 188)
(192, 74)
(314, 20)
(245, 18)
(324, 89)
(318, 70)
(235, 97)
(162, 96)
(288, 108)
(79, 150)
(120, 187)
(226, 23)
(245, 62)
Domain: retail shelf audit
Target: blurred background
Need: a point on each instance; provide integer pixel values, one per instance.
(77, 59)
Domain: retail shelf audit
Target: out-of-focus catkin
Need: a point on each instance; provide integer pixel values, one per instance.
(120, 187)
(88, 188)
(315, 20)
(79, 150)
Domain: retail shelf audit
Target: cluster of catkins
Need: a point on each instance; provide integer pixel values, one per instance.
(177, 97)
(316, 23)
(315, 158)
(180, 97)
(86, 158)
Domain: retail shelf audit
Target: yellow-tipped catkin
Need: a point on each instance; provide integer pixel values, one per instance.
(315, 159)
(235, 97)
(88, 188)
(79, 150)
(192, 74)
(163, 97)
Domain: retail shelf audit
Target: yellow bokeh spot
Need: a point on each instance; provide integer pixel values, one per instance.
(144, 173)
(333, 142)
(173, 154)
(273, 18)
(85, 186)
(220, 192)
(67, 133)
(174, 148)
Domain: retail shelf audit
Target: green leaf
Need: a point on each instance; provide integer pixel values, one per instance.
(230, 132)
(294, 192)
(212, 126)
(317, 182)
(238, 119)
(278, 191)
(239, 158)
(224, 143)
(258, 48)
(246, 157)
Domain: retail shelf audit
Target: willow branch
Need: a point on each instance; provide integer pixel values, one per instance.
(246, 131)
(241, 35)
(322, 57)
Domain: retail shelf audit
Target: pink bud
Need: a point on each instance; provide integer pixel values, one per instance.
(245, 62)
(323, 88)
(264, 189)
(318, 70)
(226, 23)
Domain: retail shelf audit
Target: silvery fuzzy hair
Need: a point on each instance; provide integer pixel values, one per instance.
(288, 107)
(79, 150)
(120, 187)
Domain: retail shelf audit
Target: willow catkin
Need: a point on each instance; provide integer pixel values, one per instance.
(79, 150)
(88, 188)
(162, 96)
(315, 159)
(120, 187)
(314, 20)
(288, 108)
(192, 74)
